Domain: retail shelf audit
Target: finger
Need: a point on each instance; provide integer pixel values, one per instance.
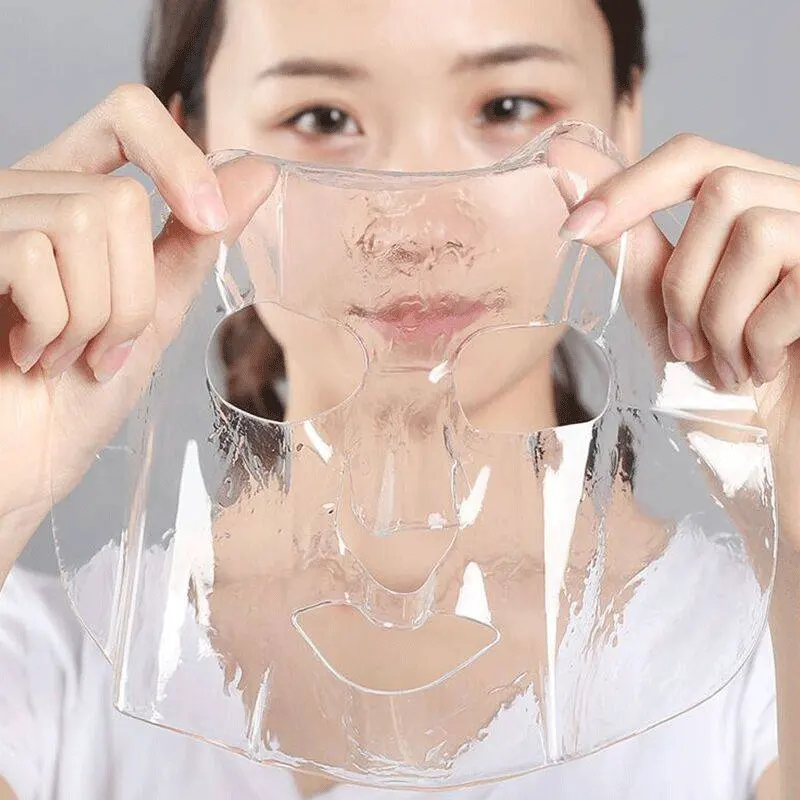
(132, 273)
(131, 125)
(183, 259)
(76, 227)
(775, 325)
(29, 274)
(722, 198)
(19, 182)
(130, 254)
(763, 244)
(672, 174)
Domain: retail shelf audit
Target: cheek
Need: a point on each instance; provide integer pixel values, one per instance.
(226, 127)
(594, 93)
(596, 104)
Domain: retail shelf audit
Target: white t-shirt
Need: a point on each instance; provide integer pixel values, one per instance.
(60, 737)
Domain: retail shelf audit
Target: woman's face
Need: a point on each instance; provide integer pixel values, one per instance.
(415, 85)
(410, 84)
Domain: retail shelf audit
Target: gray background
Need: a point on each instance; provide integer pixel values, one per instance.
(726, 69)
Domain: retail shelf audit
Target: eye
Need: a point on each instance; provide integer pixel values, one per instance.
(324, 121)
(510, 109)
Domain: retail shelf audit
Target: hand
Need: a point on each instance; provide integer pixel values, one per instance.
(727, 297)
(85, 293)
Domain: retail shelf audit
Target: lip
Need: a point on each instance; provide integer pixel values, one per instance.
(426, 320)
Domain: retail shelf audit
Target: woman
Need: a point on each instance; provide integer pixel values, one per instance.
(403, 85)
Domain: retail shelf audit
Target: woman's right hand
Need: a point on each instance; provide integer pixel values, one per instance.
(87, 299)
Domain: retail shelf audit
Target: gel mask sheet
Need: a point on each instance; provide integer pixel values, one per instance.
(415, 498)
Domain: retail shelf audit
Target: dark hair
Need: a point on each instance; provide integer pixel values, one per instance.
(626, 23)
(182, 39)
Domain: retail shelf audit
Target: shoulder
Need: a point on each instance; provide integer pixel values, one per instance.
(40, 655)
(42, 643)
(35, 606)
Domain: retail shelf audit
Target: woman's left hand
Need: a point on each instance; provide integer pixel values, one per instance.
(729, 292)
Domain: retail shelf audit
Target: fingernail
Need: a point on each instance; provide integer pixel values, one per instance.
(62, 364)
(210, 208)
(583, 221)
(726, 374)
(762, 375)
(681, 341)
(26, 360)
(112, 361)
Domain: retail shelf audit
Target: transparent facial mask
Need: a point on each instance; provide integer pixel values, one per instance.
(476, 525)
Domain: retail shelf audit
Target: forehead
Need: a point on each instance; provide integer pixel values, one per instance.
(382, 32)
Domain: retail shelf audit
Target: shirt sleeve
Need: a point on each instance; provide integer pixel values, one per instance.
(38, 656)
(758, 712)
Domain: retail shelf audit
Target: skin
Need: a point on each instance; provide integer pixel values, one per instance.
(726, 297)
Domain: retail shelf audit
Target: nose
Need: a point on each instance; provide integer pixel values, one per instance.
(417, 222)
(427, 145)
(418, 227)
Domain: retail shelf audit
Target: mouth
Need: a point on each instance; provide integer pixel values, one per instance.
(424, 320)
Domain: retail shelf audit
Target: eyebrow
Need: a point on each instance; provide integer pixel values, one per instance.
(313, 68)
(485, 59)
(510, 54)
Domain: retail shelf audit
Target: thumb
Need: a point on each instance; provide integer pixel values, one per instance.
(184, 258)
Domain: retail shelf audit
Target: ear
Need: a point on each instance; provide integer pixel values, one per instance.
(194, 130)
(627, 132)
(175, 107)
